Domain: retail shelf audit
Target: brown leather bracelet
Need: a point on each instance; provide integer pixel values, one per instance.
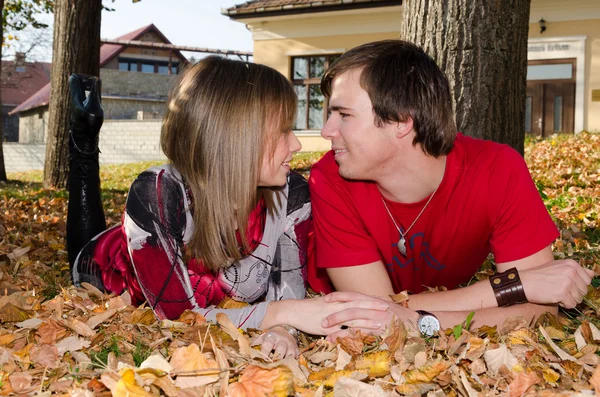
(508, 288)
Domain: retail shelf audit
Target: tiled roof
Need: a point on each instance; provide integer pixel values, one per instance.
(291, 6)
(107, 52)
(40, 98)
(21, 81)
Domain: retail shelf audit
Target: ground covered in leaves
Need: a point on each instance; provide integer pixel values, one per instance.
(56, 339)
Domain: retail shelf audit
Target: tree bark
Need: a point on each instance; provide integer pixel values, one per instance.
(481, 45)
(75, 49)
(2, 167)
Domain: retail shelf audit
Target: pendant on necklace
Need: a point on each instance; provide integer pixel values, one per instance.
(402, 246)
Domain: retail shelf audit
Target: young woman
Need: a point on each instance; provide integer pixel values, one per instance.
(225, 218)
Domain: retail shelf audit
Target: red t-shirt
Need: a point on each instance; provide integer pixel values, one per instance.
(486, 202)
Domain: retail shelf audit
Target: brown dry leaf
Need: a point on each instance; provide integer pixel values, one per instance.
(320, 357)
(595, 380)
(377, 363)
(348, 387)
(234, 332)
(256, 381)
(478, 367)
(143, 315)
(512, 324)
(80, 328)
(400, 298)
(189, 358)
(223, 367)
(352, 345)
(10, 313)
(166, 385)
(98, 319)
(415, 389)
(395, 336)
(342, 360)
(495, 358)
(45, 355)
(71, 344)
(561, 353)
(20, 382)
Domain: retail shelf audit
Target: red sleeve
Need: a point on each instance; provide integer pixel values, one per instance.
(154, 225)
(340, 236)
(521, 223)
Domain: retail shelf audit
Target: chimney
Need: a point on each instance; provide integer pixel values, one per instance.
(19, 58)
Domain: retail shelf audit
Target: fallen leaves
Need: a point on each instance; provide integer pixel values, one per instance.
(57, 339)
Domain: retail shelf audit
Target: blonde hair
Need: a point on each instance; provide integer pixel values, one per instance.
(215, 132)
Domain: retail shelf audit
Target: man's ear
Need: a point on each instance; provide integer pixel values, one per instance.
(403, 128)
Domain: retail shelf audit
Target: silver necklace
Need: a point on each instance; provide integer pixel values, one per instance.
(402, 240)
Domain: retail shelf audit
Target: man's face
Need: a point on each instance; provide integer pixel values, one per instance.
(362, 150)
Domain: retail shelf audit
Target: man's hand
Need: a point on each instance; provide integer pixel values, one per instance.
(366, 320)
(562, 282)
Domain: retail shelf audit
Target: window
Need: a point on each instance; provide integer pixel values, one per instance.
(528, 109)
(306, 76)
(147, 66)
(550, 72)
(558, 111)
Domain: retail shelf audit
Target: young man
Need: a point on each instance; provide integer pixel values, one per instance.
(404, 202)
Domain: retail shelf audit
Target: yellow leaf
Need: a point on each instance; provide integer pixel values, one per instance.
(6, 339)
(321, 375)
(358, 375)
(10, 313)
(256, 381)
(143, 316)
(551, 376)
(127, 387)
(378, 363)
(229, 303)
(426, 373)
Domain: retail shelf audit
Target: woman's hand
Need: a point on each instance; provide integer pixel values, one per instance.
(307, 314)
(343, 322)
(564, 282)
(278, 341)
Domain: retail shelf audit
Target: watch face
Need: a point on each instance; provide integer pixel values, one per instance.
(429, 325)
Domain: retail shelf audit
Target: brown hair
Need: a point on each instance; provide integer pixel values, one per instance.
(402, 81)
(215, 133)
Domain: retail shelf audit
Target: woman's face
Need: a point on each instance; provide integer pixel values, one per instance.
(274, 169)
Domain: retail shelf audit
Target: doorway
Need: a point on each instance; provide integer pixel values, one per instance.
(550, 102)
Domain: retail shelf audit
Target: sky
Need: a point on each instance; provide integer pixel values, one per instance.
(197, 23)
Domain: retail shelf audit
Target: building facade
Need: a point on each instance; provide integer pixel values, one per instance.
(300, 38)
(135, 84)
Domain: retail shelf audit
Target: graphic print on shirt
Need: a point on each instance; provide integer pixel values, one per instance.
(425, 256)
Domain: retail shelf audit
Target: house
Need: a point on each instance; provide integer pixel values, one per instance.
(20, 80)
(300, 38)
(135, 83)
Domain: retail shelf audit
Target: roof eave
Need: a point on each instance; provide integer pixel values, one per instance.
(309, 8)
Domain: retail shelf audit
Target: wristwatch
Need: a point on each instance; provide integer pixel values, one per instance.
(291, 330)
(427, 323)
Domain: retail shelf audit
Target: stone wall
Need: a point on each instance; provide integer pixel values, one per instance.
(135, 84)
(122, 141)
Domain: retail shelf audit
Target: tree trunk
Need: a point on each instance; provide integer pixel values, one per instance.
(76, 49)
(481, 45)
(2, 167)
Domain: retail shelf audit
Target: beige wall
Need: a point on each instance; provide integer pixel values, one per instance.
(277, 39)
(590, 30)
(277, 53)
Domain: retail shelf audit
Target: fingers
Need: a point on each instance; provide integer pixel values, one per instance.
(369, 318)
(281, 345)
